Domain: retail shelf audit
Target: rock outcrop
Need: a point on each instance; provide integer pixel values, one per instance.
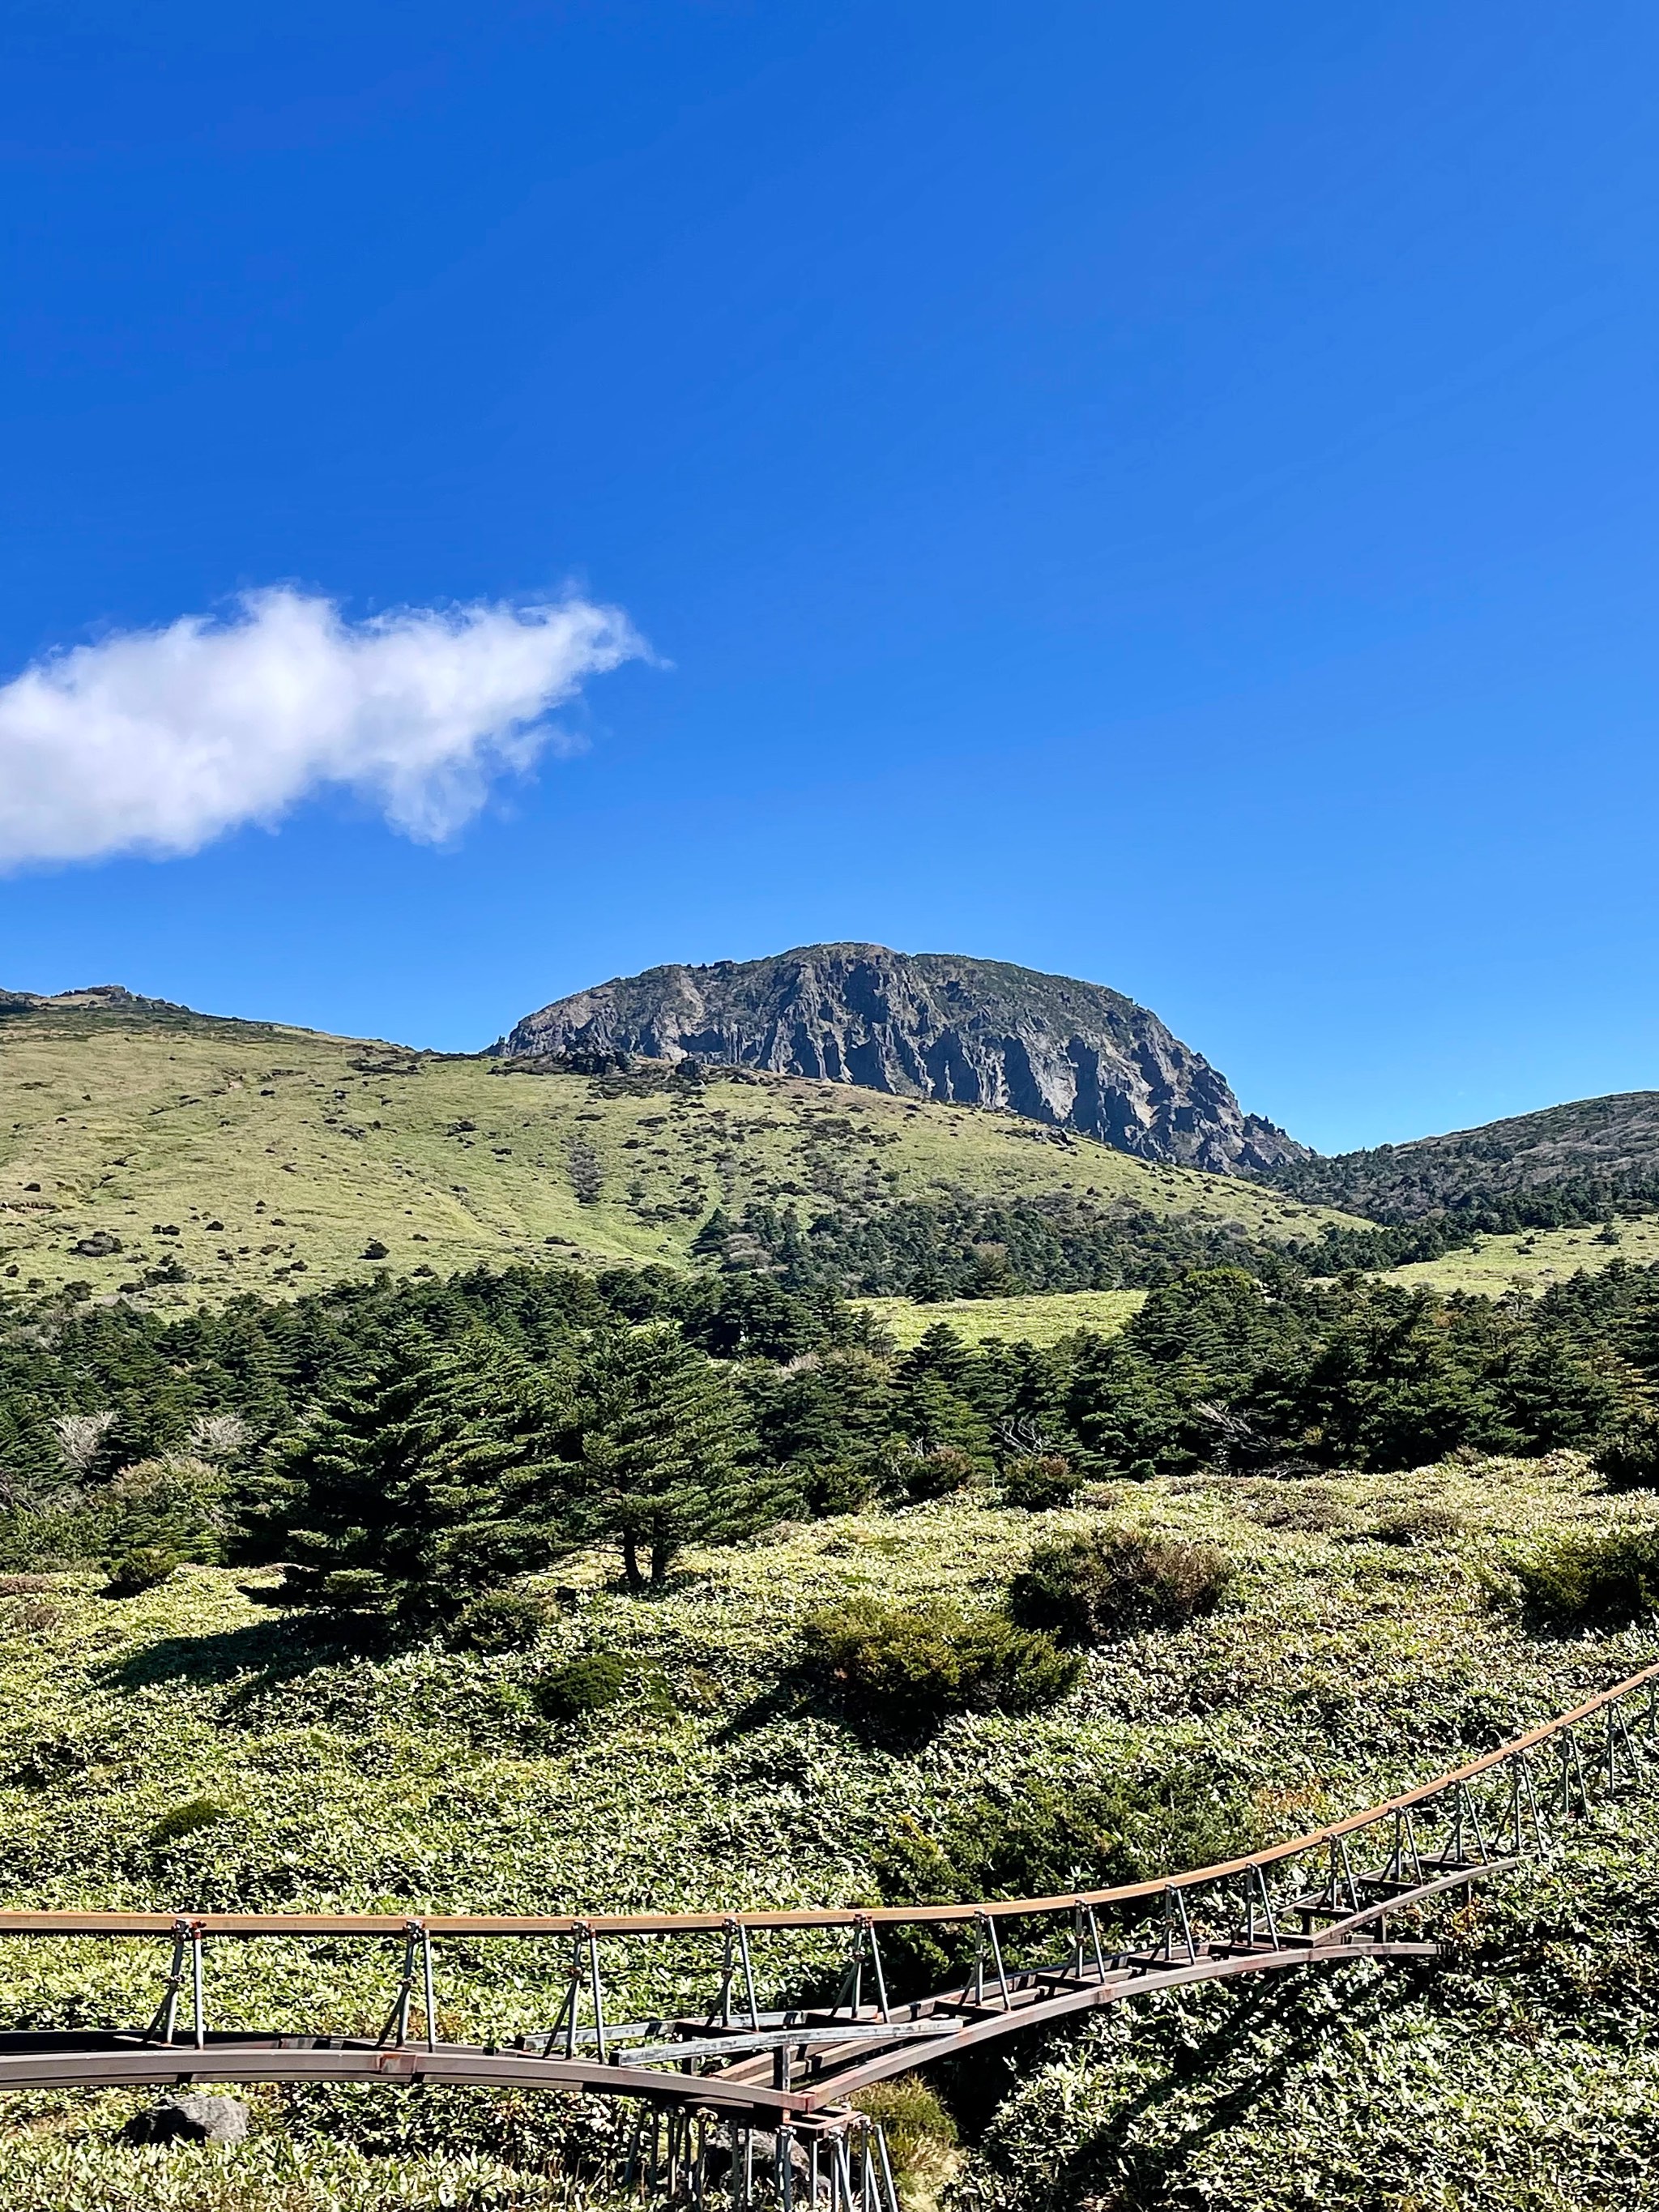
(929, 1025)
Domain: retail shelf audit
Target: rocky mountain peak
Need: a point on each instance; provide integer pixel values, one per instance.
(929, 1025)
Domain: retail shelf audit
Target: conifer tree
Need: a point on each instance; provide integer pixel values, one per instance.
(418, 1483)
(664, 1453)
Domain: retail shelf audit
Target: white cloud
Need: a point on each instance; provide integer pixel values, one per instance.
(156, 741)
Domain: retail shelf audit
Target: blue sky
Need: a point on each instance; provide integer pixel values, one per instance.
(1163, 495)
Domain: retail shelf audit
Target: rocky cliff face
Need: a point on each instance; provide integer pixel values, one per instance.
(932, 1025)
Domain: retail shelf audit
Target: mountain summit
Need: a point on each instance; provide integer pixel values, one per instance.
(929, 1025)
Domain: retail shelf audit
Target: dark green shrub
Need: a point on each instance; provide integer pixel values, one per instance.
(903, 1670)
(500, 1621)
(583, 1685)
(1107, 1583)
(836, 1486)
(187, 1821)
(1418, 1524)
(143, 1568)
(174, 1504)
(1040, 1483)
(938, 1474)
(1629, 1458)
(1590, 1579)
(1044, 1834)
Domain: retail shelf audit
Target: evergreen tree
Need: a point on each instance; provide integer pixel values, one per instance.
(416, 1486)
(665, 1457)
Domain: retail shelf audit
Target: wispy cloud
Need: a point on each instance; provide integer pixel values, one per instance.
(157, 741)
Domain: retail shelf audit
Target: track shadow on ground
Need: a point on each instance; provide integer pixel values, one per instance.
(1144, 2174)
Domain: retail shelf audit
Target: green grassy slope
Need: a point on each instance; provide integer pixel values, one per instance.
(1522, 2075)
(279, 1156)
(1532, 1259)
(1034, 1320)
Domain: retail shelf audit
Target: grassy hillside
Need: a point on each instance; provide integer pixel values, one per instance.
(228, 1155)
(1360, 1650)
(1036, 1320)
(1531, 1260)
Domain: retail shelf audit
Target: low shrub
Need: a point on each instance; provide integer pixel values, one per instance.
(145, 1567)
(921, 2138)
(903, 1670)
(1418, 1524)
(1044, 1834)
(583, 1685)
(175, 1504)
(1107, 1583)
(597, 1679)
(499, 1622)
(831, 1486)
(938, 1473)
(1629, 1458)
(1039, 1484)
(186, 1820)
(1589, 1579)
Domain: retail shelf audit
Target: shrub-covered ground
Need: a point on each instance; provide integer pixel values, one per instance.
(192, 1746)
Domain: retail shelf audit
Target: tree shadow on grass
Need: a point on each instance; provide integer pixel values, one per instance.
(793, 1694)
(258, 1656)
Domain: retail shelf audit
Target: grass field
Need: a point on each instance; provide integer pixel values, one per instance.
(1536, 1258)
(1042, 1320)
(255, 1158)
(1523, 2074)
(1494, 1267)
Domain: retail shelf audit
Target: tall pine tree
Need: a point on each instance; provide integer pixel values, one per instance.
(420, 1482)
(665, 1457)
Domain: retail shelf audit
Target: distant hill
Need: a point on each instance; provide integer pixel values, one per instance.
(928, 1025)
(1565, 1164)
(174, 1156)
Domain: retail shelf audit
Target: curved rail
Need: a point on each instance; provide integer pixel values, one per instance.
(21, 1923)
(1319, 1899)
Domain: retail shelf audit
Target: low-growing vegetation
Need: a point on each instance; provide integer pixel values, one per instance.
(538, 1588)
(1597, 1579)
(1108, 1583)
(902, 1671)
(201, 1744)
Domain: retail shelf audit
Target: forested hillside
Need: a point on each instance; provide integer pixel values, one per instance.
(1564, 1164)
(583, 1592)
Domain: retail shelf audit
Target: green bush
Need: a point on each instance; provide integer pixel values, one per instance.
(1629, 1458)
(903, 1670)
(1107, 1583)
(583, 1685)
(174, 1503)
(500, 1621)
(1418, 1524)
(187, 1821)
(1038, 1484)
(938, 1473)
(1589, 1579)
(834, 1486)
(143, 1568)
(922, 2136)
